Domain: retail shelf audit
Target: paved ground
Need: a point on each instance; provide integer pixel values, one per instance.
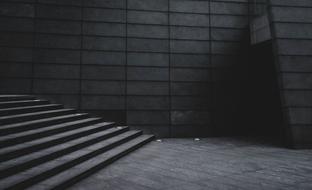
(216, 163)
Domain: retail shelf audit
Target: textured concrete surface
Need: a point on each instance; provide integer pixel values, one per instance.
(214, 163)
(147, 63)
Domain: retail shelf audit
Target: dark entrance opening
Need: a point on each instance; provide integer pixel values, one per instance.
(260, 111)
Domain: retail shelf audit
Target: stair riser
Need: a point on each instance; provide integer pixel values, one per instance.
(43, 134)
(34, 117)
(61, 168)
(23, 104)
(39, 125)
(18, 153)
(98, 167)
(29, 110)
(33, 163)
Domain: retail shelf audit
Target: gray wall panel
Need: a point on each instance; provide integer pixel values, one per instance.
(104, 29)
(147, 88)
(8, 69)
(105, 15)
(295, 63)
(105, 3)
(189, 6)
(16, 24)
(18, 10)
(229, 21)
(16, 54)
(56, 71)
(103, 58)
(62, 2)
(148, 118)
(298, 98)
(57, 41)
(146, 31)
(103, 43)
(147, 74)
(99, 103)
(15, 85)
(189, 33)
(56, 56)
(58, 12)
(16, 39)
(228, 8)
(147, 45)
(103, 87)
(148, 103)
(189, 19)
(58, 27)
(144, 17)
(292, 39)
(145, 63)
(103, 72)
(154, 5)
(148, 59)
(190, 60)
(51, 86)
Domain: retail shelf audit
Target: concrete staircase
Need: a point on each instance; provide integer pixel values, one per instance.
(45, 146)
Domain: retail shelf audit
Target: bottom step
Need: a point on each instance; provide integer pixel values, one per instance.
(82, 171)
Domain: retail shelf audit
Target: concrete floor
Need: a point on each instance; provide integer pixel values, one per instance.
(214, 163)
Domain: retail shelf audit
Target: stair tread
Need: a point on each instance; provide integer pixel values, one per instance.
(35, 131)
(91, 164)
(4, 97)
(33, 114)
(18, 102)
(13, 95)
(66, 159)
(28, 107)
(19, 147)
(41, 153)
(21, 101)
(33, 122)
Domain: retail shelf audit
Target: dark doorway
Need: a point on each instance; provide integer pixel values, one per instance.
(261, 113)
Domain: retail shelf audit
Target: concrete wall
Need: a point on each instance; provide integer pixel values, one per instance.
(166, 66)
(292, 30)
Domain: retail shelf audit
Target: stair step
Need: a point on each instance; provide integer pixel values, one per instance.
(44, 145)
(22, 163)
(27, 109)
(44, 171)
(40, 144)
(4, 98)
(35, 115)
(20, 103)
(43, 132)
(79, 172)
(34, 124)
